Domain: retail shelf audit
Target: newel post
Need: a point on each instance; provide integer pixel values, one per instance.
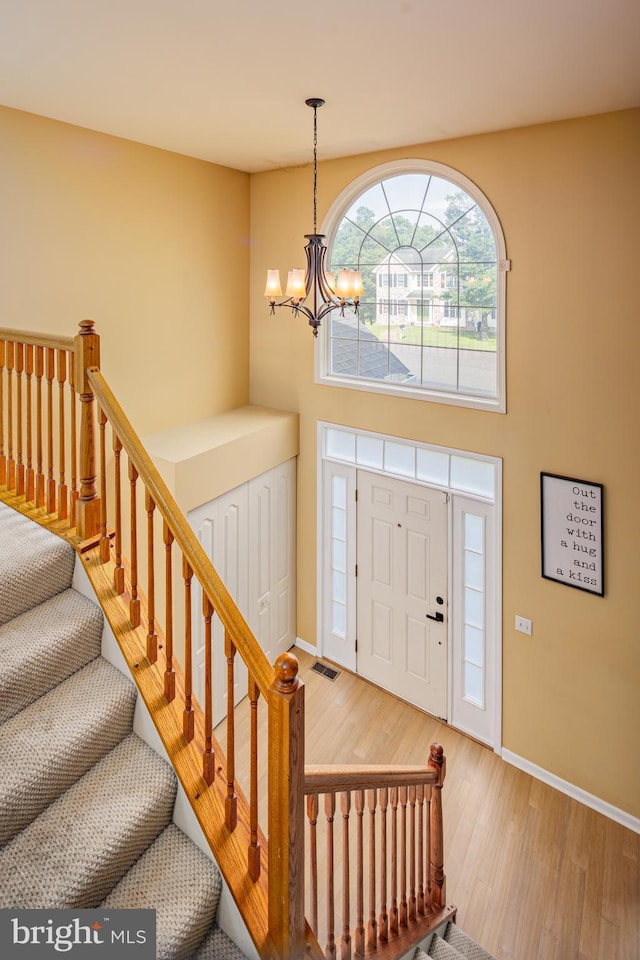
(286, 809)
(437, 762)
(87, 356)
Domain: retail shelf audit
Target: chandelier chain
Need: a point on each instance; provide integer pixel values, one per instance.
(315, 169)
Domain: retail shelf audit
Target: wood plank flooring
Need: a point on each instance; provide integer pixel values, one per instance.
(535, 875)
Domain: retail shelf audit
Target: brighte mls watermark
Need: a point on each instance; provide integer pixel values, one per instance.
(100, 933)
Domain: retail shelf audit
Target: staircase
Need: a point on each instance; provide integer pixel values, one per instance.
(86, 816)
(85, 805)
(454, 944)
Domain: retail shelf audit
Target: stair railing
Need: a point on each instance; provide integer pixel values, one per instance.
(396, 893)
(55, 410)
(37, 371)
(52, 396)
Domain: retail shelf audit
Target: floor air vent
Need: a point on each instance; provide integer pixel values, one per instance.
(327, 672)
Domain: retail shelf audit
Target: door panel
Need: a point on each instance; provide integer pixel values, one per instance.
(402, 536)
(221, 527)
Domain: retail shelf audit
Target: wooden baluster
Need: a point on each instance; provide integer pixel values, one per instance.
(437, 763)
(19, 424)
(254, 846)
(104, 539)
(118, 572)
(152, 637)
(286, 808)
(134, 603)
(393, 913)
(63, 508)
(329, 812)
(11, 463)
(403, 911)
(428, 886)
(420, 850)
(208, 759)
(188, 715)
(30, 475)
(383, 921)
(74, 445)
(169, 673)
(372, 926)
(312, 817)
(40, 498)
(3, 456)
(359, 938)
(87, 357)
(231, 803)
(413, 902)
(49, 373)
(345, 941)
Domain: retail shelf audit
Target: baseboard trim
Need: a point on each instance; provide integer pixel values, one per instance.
(308, 648)
(570, 789)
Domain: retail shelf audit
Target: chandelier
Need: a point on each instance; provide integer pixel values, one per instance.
(315, 285)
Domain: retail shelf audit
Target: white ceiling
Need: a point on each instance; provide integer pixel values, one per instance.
(227, 81)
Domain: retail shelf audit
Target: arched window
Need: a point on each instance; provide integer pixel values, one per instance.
(432, 257)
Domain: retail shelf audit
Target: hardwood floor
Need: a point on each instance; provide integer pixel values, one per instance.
(535, 875)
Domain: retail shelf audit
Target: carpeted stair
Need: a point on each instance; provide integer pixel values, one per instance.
(86, 806)
(455, 944)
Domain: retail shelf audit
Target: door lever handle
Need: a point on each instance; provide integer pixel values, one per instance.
(439, 617)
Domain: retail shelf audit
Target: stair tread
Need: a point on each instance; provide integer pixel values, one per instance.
(439, 950)
(218, 946)
(455, 945)
(466, 947)
(43, 646)
(46, 747)
(76, 851)
(177, 880)
(35, 564)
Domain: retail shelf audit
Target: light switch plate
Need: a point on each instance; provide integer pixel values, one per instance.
(524, 625)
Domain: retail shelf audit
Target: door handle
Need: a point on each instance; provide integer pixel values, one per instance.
(439, 617)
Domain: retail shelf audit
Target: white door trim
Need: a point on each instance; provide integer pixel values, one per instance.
(468, 477)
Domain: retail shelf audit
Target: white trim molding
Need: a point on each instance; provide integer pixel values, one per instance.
(473, 482)
(571, 790)
(309, 648)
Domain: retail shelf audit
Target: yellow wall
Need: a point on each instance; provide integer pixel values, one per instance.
(151, 245)
(568, 197)
(155, 248)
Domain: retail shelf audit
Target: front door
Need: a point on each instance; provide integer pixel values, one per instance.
(402, 536)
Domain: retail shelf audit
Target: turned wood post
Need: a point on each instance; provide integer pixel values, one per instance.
(87, 357)
(286, 809)
(437, 763)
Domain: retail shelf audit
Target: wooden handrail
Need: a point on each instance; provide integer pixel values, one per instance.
(213, 587)
(37, 339)
(328, 778)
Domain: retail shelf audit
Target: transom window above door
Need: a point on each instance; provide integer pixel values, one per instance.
(431, 253)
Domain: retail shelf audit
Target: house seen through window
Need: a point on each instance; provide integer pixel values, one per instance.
(430, 321)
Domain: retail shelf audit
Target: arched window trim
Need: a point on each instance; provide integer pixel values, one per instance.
(330, 226)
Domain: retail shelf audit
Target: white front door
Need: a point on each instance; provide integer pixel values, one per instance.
(402, 536)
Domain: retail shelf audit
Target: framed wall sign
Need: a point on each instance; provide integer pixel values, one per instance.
(572, 532)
